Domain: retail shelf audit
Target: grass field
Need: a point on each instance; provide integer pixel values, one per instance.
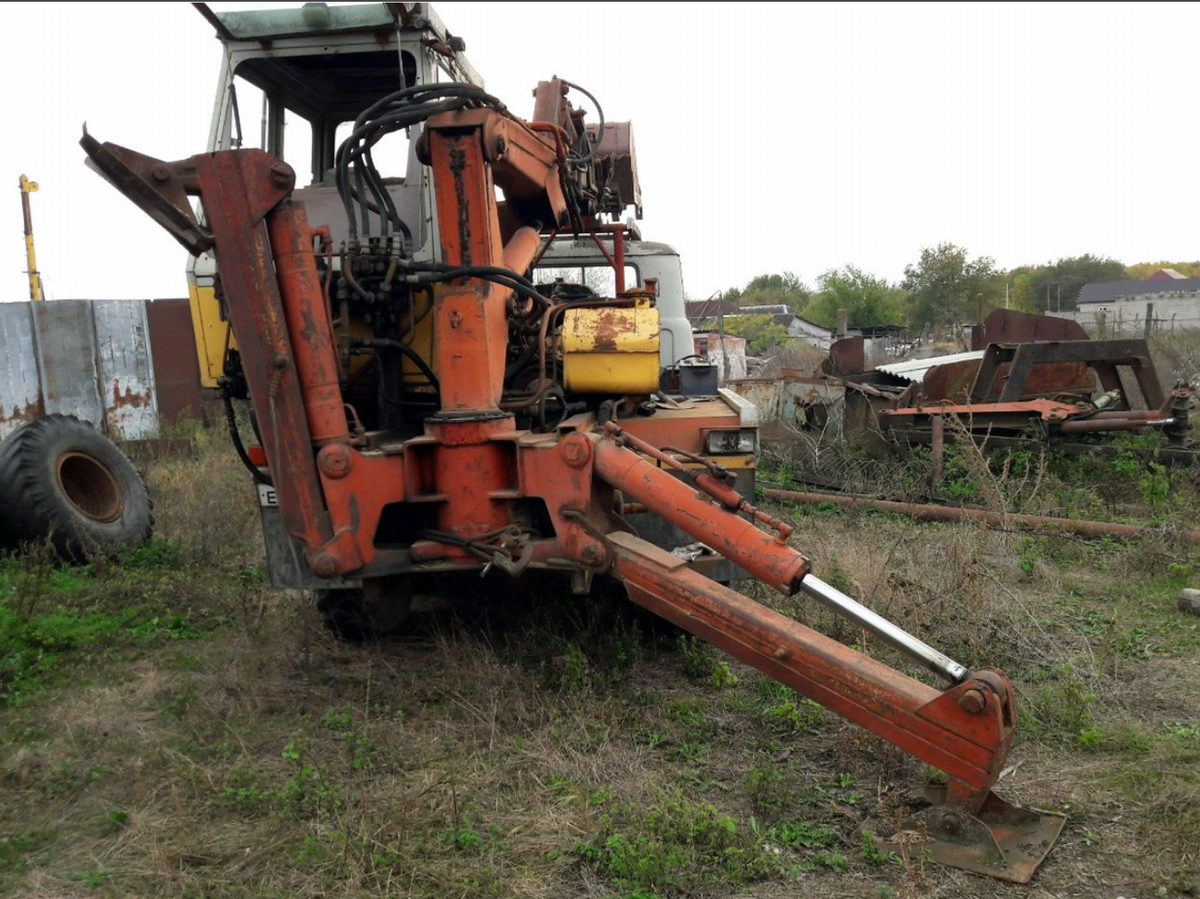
(170, 726)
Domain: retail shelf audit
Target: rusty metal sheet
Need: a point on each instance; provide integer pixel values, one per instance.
(765, 395)
(814, 404)
(124, 374)
(94, 359)
(66, 355)
(1010, 326)
(20, 384)
(950, 382)
(177, 387)
(847, 356)
(1049, 379)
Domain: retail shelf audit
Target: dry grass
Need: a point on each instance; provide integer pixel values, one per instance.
(1177, 357)
(255, 756)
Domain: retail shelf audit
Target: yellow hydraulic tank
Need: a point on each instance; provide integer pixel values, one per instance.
(611, 350)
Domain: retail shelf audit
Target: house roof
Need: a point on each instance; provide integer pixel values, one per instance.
(778, 309)
(1167, 274)
(701, 309)
(788, 318)
(1111, 291)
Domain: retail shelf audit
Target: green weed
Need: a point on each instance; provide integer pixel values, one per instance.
(801, 716)
(769, 790)
(243, 792)
(94, 879)
(692, 714)
(1059, 711)
(674, 848)
(802, 835)
(831, 860)
(118, 819)
(16, 849)
(871, 852)
(699, 659)
(52, 614)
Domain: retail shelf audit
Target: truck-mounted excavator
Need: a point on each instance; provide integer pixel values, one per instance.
(425, 407)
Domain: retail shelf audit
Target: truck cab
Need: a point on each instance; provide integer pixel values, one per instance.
(292, 82)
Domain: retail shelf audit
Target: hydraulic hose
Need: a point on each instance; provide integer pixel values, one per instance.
(239, 447)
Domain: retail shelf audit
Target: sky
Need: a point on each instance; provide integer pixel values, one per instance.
(770, 137)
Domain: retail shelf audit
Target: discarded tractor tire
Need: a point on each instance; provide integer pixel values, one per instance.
(62, 480)
(378, 609)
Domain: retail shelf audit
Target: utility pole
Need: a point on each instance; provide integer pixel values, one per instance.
(1005, 294)
(35, 279)
(724, 372)
(1060, 298)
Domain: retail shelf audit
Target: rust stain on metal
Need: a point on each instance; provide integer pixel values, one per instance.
(458, 166)
(609, 327)
(22, 414)
(130, 399)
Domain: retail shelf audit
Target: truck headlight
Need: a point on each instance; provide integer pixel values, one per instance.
(724, 442)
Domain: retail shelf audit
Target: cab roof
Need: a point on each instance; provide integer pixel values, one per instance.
(316, 19)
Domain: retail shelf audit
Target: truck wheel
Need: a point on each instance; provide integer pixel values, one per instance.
(378, 609)
(62, 479)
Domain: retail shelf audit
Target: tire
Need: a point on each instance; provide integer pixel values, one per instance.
(62, 479)
(378, 609)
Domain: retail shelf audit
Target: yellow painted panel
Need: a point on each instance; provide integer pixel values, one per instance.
(212, 334)
(611, 350)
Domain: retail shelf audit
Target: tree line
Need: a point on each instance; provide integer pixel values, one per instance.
(943, 287)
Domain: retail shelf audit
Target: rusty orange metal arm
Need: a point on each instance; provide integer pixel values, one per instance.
(965, 731)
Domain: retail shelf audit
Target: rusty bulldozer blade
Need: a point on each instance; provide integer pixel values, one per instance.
(999, 840)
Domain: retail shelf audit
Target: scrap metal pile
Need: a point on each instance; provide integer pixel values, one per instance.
(1030, 381)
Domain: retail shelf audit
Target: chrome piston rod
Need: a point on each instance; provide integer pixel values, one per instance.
(901, 639)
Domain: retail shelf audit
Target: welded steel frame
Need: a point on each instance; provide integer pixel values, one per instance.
(1103, 356)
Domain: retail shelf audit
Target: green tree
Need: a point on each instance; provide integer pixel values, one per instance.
(763, 336)
(946, 285)
(1066, 277)
(1140, 271)
(867, 300)
(771, 290)
(1022, 290)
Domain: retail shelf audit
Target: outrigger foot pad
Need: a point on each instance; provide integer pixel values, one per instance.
(999, 840)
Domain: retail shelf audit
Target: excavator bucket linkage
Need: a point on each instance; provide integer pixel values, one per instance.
(472, 464)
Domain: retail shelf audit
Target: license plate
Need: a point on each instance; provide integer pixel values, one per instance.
(266, 496)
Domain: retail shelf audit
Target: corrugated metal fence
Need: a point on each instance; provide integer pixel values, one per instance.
(127, 366)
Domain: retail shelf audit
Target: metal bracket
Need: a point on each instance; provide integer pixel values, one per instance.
(999, 840)
(160, 188)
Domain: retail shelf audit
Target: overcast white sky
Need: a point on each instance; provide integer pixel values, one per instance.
(769, 137)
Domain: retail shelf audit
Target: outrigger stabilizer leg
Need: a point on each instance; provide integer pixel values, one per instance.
(964, 731)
